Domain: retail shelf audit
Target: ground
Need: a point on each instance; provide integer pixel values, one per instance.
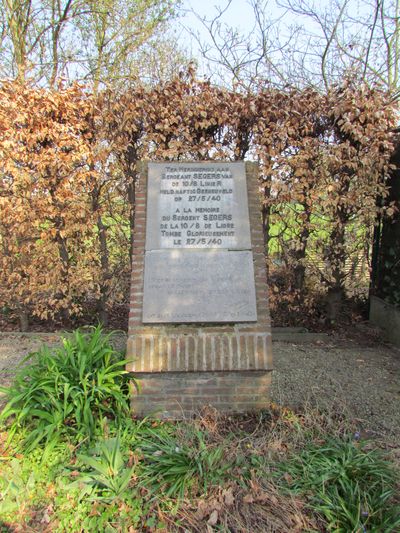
(350, 373)
(356, 376)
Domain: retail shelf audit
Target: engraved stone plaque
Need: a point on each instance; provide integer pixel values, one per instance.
(182, 286)
(197, 205)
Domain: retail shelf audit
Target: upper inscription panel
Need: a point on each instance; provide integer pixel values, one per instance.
(197, 205)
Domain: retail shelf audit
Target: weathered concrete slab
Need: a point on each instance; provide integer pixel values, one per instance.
(185, 286)
(197, 205)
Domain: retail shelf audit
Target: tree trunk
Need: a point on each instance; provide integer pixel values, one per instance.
(105, 268)
(104, 257)
(131, 162)
(266, 214)
(386, 271)
(23, 320)
(337, 259)
(300, 268)
(64, 256)
(336, 255)
(132, 203)
(59, 224)
(334, 303)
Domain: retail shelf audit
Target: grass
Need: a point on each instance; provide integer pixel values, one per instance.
(173, 466)
(351, 486)
(279, 470)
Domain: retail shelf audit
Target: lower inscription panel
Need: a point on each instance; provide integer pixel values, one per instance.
(198, 286)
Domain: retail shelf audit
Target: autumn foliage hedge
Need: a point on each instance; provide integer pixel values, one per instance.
(69, 166)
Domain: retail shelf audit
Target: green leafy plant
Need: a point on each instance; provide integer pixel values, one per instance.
(108, 472)
(68, 390)
(88, 516)
(351, 487)
(15, 488)
(174, 467)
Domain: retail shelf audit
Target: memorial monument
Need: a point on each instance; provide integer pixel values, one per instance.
(199, 327)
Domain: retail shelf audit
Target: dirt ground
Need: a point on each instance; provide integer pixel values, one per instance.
(354, 374)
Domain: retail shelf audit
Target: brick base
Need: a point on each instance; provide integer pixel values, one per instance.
(182, 394)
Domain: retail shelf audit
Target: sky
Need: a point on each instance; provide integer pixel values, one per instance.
(300, 36)
(239, 15)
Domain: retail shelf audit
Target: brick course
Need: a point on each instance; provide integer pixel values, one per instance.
(183, 394)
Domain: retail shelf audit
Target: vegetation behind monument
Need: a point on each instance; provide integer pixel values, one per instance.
(70, 158)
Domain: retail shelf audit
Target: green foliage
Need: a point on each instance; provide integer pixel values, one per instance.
(108, 473)
(14, 488)
(173, 467)
(78, 515)
(68, 390)
(137, 473)
(352, 488)
(33, 492)
(26, 481)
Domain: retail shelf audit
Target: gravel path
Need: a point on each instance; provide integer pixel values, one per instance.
(356, 375)
(363, 382)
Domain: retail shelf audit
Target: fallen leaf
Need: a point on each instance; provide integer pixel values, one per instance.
(213, 518)
(287, 477)
(228, 497)
(46, 515)
(274, 499)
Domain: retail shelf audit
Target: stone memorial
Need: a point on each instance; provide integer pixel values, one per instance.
(199, 327)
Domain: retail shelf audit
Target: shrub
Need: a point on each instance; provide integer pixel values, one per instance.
(68, 390)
